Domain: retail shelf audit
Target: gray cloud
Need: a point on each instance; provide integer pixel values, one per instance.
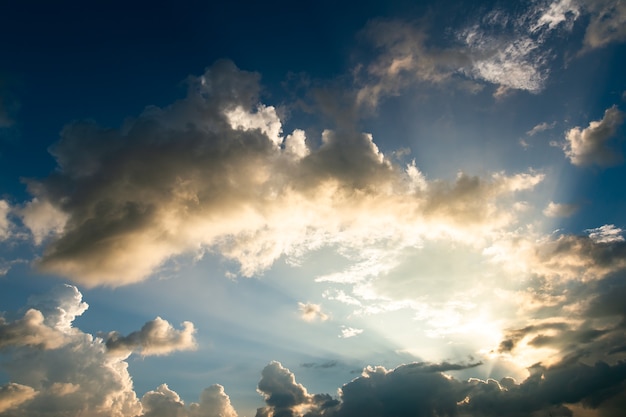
(282, 393)
(420, 389)
(591, 145)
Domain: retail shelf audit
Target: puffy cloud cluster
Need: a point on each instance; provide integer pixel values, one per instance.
(213, 172)
(591, 145)
(163, 402)
(56, 369)
(420, 389)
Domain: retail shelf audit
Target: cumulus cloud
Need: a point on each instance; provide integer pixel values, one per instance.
(156, 337)
(421, 389)
(163, 402)
(213, 172)
(312, 312)
(591, 145)
(56, 369)
(559, 209)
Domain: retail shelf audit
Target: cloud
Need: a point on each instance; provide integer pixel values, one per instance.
(607, 23)
(12, 395)
(212, 172)
(422, 389)
(591, 145)
(5, 225)
(559, 209)
(163, 402)
(42, 219)
(312, 312)
(156, 337)
(323, 365)
(541, 127)
(56, 369)
(282, 394)
(347, 332)
(606, 234)
(556, 13)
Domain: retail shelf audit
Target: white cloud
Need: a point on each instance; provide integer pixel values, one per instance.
(312, 312)
(518, 64)
(591, 145)
(163, 402)
(606, 234)
(558, 12)
(57, 368)
(347, 332)
(559, 209)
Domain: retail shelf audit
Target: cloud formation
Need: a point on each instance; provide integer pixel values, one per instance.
(420, 389)
(591, 145)
(213, 172)
(559, 209)
(156, 337)
(163, 402)
(56, 369)
(312, 312)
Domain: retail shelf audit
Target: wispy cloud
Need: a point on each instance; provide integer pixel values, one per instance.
(541, 127)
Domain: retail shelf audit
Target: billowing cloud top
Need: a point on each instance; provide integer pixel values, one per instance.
(213, 171)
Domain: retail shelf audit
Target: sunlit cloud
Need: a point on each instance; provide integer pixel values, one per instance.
(591, 145)
(312, 312)
(347, 332)
(559, 209)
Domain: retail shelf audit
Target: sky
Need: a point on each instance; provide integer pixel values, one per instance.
(312, 209)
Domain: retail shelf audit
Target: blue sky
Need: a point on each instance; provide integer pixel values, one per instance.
(276, 209)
